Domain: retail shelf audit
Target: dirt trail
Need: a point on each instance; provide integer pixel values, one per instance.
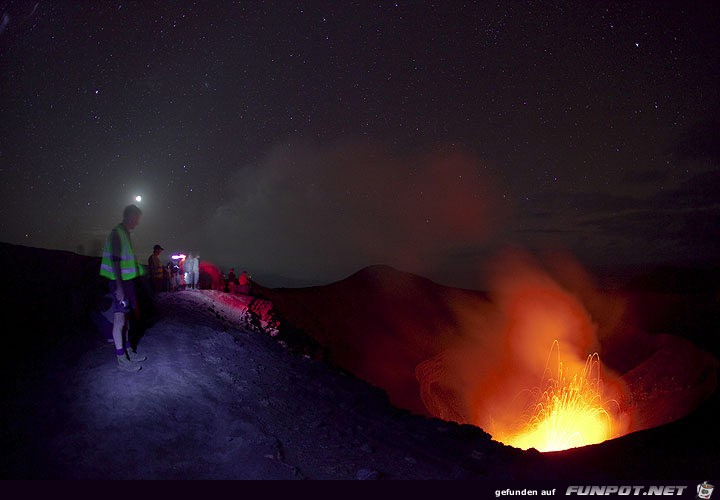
(217, 402)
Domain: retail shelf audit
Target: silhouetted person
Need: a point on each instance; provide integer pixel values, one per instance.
(181, 273)
(174, 271)
(244, 283)
(157, 273)
(231, 281)
(120, 265)
(192, 268)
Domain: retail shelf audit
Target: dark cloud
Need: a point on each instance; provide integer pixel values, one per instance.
(676, 225)
(673, 224)
(326, 211)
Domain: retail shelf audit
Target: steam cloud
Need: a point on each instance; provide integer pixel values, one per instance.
(328, 211)
(484, 378)
(488, 374)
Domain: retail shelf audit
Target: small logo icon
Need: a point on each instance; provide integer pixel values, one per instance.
(705, 490)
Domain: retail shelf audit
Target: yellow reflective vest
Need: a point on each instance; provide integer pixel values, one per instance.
(129, 265)
(156, 270)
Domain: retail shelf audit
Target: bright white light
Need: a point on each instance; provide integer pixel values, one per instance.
(138, 198)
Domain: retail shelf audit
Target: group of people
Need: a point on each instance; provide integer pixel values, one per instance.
(120, 266)
(174, 276)
(237, 284)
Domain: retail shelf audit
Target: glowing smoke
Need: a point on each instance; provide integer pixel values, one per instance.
(327, 211)
(506, 361)
(503, 379)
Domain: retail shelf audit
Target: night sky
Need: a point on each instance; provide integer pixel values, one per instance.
(303, 141)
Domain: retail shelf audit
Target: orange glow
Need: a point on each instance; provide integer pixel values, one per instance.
(567, 411)
(506, 374)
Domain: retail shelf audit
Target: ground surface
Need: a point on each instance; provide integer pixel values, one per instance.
(216, 400)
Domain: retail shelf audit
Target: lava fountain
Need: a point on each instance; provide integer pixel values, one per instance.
(502, 379)
(567, 410)
(515, 361)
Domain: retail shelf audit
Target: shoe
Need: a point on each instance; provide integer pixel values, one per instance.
(134, 357)
(125, 364)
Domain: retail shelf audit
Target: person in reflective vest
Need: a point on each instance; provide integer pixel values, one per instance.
(157, 273)
(120, 266)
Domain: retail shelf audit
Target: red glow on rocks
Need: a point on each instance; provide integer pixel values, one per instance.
(546, 348)
(209, 276)
(522, 398)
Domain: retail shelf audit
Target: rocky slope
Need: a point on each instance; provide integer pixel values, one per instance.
(219, 398)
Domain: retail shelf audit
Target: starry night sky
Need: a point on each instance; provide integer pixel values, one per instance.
(305, 140)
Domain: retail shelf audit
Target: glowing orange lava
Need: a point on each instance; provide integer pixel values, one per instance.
(566, 412)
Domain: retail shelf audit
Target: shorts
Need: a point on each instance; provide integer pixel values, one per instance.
(130, 297)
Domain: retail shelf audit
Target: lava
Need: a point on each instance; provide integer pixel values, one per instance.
(481, 358)
(501, 378)
(567, 411)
